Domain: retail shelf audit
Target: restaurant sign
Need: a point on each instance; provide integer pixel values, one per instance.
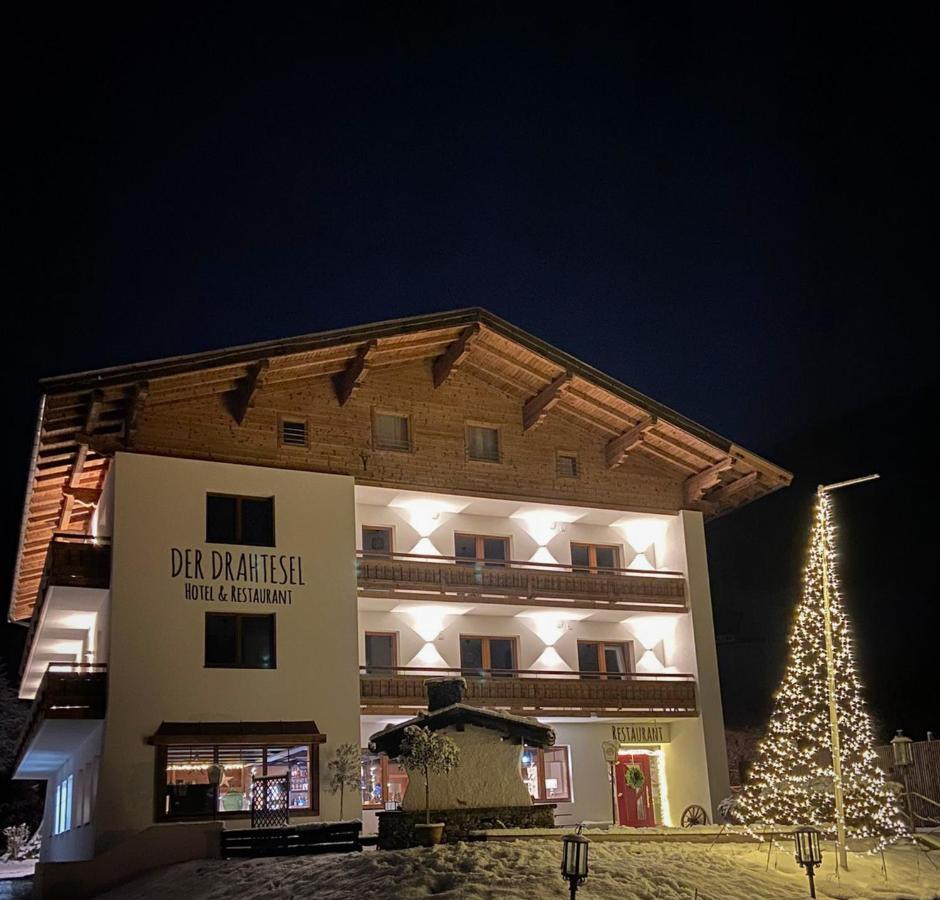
(240, 577)
(641, 734)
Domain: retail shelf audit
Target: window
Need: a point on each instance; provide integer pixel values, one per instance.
(591, 557)
(381, 652)
(377, 540)
(293, 432)
(547, 774)
(604, 659)
(391, 432)
(488, 656)
(187, 792)
(479, 547)
(566, 464)
(63, 806)
(483, 443)
(240, 641)
(239, 520)
(383, 781)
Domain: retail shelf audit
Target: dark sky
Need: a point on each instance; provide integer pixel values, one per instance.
(733, 211)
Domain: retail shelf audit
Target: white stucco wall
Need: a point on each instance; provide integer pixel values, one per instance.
(78, 842)
(156, 658)
(711, 720)
(487, 774)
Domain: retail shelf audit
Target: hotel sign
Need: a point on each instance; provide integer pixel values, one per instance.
(641, 734)
(241, 577)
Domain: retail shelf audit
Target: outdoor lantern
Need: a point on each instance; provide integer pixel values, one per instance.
(901, 747)
(808, 853)
(574, 859)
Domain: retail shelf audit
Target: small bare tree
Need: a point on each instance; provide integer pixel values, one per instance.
(428, 752)
(344, 771)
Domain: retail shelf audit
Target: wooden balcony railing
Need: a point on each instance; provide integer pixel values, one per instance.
(78, 560)
(384, 690)
(67, 691)
(536, 584)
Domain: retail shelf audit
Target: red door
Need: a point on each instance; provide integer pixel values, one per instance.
(635, 804)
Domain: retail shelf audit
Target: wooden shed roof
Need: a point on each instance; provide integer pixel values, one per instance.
(85, 417)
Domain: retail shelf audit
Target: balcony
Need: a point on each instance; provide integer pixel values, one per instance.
(401, 690)
(415, 577)
(69, 694)
(78, 560)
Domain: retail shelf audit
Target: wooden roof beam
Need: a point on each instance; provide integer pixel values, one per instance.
(618, 447)
(84, 495)
(92, 417)
(537, 408)
(455, 354)
(695, 486)
(134, 407)
(731, 488)
(347, 381)
(247, 390)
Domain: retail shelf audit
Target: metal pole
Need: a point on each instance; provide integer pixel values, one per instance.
(831, 679)
(613, 795)
(812, 883)
(833, 709)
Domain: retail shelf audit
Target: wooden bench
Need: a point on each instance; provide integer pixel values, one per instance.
(293, 840)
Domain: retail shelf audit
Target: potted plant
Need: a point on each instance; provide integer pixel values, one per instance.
(344, 771)
(428, 753)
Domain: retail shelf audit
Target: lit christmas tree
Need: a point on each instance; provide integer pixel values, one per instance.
(793, 780)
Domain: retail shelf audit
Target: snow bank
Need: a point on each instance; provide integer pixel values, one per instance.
(531, 869)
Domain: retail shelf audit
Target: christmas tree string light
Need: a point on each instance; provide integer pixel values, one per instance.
(793, 780)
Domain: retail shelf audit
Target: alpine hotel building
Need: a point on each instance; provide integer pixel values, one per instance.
(253, 555)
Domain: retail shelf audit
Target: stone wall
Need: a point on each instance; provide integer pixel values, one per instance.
(396, 828)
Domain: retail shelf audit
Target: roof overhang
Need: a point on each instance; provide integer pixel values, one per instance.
(86, 417)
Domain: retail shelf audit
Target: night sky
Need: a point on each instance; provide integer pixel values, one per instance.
(733, 211)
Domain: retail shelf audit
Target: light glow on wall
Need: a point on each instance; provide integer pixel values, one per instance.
(424, 547)
(551, 661)
(426, 515)
(428, 619)
(544, 525)
(653, 630)
(428, 657)
(643, 534)
(543, 555)
(550, 625)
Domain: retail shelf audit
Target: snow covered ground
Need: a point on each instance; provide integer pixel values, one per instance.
(625, 871)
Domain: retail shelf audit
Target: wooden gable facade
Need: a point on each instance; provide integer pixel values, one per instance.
(310, 403)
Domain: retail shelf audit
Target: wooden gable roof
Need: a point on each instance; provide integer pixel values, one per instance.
(84, 418)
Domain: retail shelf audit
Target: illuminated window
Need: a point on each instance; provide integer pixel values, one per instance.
(483, 443)
(391, 432)
(547, 774)
(383, 782)
(188, 793)
(240, 641)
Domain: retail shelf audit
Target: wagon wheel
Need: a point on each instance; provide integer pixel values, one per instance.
(694, 815)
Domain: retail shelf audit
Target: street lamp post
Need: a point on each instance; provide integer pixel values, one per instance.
(808, 853)
(574, 860)
(831, 682)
